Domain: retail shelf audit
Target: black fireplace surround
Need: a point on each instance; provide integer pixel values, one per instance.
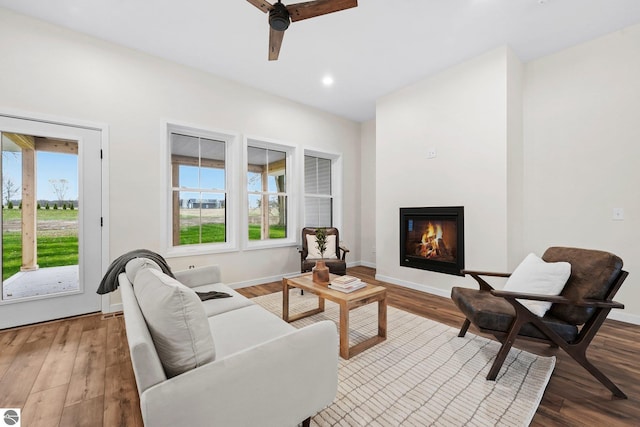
(432, 238)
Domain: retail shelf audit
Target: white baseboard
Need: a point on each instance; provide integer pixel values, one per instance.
(261, 280)
(361, 263)
(113, 308)
(624, 317)
(415, 286)
(366, 264)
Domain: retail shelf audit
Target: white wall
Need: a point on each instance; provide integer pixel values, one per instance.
(539, 154)
(368, 194)
(462, 114)
(515, 161)
(53, 71)
(582, 152)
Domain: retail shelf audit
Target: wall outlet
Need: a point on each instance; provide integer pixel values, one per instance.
(618, 214)
(432, 153)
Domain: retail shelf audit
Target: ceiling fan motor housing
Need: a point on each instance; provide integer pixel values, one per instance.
(279, 17)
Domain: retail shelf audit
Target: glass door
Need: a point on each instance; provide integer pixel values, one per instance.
(51, 221)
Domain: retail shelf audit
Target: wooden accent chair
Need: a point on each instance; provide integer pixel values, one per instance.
(573, 319)
(334, 257)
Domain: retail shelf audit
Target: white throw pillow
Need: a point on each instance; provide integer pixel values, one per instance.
(535, 276)
(314, 252)
(176, 319)
(136, 264)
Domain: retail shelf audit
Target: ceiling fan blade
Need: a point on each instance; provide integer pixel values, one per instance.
(264, 6)
(275, 41)
(300, 11)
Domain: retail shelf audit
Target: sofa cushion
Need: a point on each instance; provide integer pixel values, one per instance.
(214, 307)
(176, 319)
(535, 276)
(136, 264)
(147, 366)
(245, 327)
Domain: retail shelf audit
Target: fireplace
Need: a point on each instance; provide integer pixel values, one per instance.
(432, 238)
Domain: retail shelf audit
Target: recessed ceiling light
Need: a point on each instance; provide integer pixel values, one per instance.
(327, 80)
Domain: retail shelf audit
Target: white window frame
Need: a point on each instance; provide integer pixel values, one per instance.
(291, 193)
(336, 184)
(231, 199)
(317, 196)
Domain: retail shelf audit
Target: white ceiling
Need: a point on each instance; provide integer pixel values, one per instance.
(370, 50)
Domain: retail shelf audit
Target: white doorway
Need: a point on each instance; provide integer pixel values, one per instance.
(52, 245)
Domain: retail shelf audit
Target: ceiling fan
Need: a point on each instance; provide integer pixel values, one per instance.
(280, 16)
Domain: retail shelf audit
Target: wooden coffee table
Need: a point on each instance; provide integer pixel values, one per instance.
(347, 302)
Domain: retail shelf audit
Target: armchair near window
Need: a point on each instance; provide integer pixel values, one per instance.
(572, 321)
(334, 256)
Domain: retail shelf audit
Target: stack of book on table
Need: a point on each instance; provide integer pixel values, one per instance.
(346, 284)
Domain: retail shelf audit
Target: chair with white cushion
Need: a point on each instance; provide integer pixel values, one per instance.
(561, 299)
(334, 256)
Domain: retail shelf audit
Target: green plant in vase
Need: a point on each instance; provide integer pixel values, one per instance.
(321, 240)
(320, 271)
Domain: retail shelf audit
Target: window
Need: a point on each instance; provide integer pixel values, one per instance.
(199, 195)
(318, 199)
(268, 197)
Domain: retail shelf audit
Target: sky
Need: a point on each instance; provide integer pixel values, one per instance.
(203, 178)
(48, 166)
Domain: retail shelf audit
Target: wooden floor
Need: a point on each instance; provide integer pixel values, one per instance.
(77, 372)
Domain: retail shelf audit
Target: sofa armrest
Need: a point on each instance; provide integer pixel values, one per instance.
(199, 276)
(277, 383)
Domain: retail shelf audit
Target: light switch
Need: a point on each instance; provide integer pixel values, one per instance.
(618, 214)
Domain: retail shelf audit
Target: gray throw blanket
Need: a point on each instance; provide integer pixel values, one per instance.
(109, 282)
(212, 295)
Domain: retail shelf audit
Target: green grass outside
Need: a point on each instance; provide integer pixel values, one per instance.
(215, 233)
(211, 233)
(54, 248)
(52, 252)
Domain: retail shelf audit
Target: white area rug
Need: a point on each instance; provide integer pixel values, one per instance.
(423, 374)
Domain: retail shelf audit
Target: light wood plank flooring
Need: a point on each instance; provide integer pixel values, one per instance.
(77, 372)
(72, 372)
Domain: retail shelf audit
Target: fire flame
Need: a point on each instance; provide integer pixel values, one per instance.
(430, 237)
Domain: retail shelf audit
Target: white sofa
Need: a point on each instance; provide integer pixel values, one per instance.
(264, 371)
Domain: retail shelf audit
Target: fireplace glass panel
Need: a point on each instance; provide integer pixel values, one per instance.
(432, 238)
